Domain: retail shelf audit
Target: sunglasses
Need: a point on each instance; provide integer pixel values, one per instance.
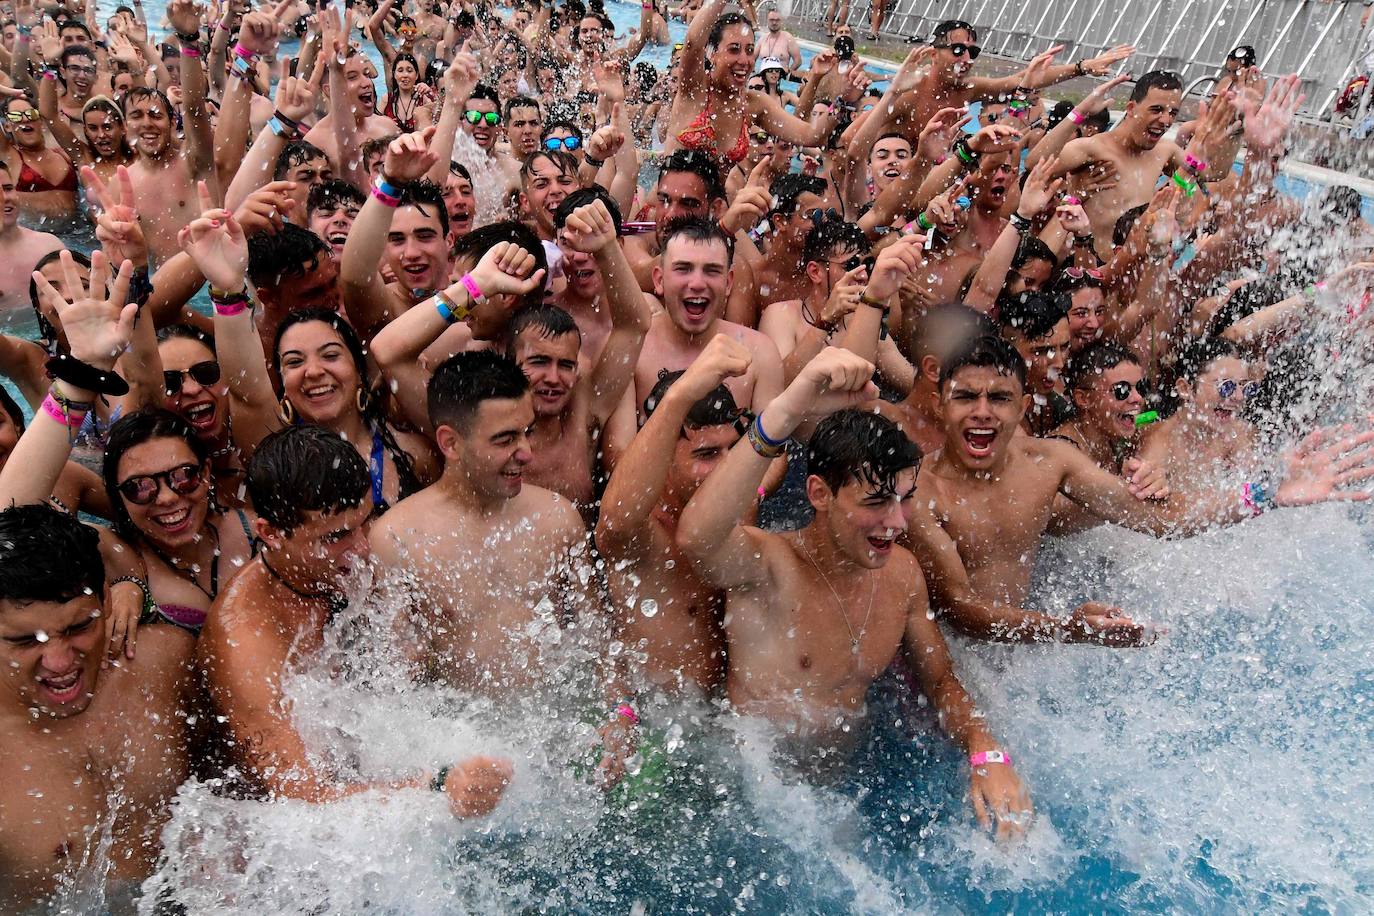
(475, 117)
(83, 71)
(1078, 273)
(205, 374)
(184, 479)
(18, 117)
(1228, 387)
(855, 261)
(818, 216)
(1122, 390)
(407, 31)
(959, 49)
(567, 143)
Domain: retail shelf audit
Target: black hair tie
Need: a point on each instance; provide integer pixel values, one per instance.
(69, 369)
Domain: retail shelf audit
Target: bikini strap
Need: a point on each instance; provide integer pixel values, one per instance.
(376, 466)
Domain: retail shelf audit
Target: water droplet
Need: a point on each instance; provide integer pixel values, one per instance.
(648, 607)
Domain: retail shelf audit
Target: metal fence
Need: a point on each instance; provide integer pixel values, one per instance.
(1320, 40)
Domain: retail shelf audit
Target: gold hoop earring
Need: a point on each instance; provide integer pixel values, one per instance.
(288, 413)
(361, 398)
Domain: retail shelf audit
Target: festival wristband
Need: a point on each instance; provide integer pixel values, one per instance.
(1021, 223)
(58, 413)
(384, 198)
(1194, 163)
(241, 67)
(924, 223)
(470, 285)
(190, 51)
(387, 187)
(626, 711)
(1078, 117)
(1188, 187)
(1257, 498)
(289, 122)
(49, 74)
(243, 53)
(281, 129)
(983, 758)
(761, 444)
(592, 161)
(449, 310)
(437, 783)
(966, 154)
(872, 303)
(231, 308)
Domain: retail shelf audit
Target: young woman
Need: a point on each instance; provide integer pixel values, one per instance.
(409, 102)
(1108, 389)
(196, 391)
(45, 182)
(105, 145)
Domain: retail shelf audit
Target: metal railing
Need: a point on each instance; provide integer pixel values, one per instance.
(1320, 40)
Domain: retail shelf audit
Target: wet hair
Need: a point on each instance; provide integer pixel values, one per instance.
(695, 162)
(291, 252)
(132, 430)
(11, 408)
(833, 235)
(1070, 285)
(860, 445)
(560, 124)
(181, 331)
(145, 92)
(479, 241)
(891, 135)
(565, 162)
(986, 352)
(946, 329)
(1096, 358)
(1032, 249)
(702, 231)
(47, 333)
(1198, 357)
(788, 189)
(333, 193)
(75, 24)
(1166, 80)
(293, 154)
(304, 469)
(1121, 229)
(457, 168)
(1033, 313)
(463, 381)
(425, 193)
(375, 146)
(646, 75)
(717, 408)
(720, 26)
(522, 101)
(548, 319)
(75, 51)
(483, 91)
(952, 25)
(47, 555)
(581, 198)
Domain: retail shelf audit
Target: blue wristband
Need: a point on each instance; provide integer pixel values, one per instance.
(758, 424)
(386, 187)
(449, 310)
(278, 127)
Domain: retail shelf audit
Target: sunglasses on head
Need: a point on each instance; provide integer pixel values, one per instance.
(475, 117)
(183, 480)
(1078, 273)
(959, 49)
(205, 374)
(1228, 387)
(1122, 390)
(819, 216)
(553, 144)
(28, 114)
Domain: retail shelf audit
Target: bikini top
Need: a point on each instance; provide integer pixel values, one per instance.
(700, 135)
(190, 618)
(32, 181)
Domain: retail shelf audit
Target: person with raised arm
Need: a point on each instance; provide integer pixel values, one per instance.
(311, 490)
(801, 655)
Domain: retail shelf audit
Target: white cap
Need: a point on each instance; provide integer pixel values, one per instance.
(769, 63)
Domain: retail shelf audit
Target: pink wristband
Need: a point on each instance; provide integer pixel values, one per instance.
(983, 758)
(1077, 116)
(627, 711)
(230, 309)
(54, 410)
(241, 51)
(386, 199)
(190, 51)
(1194, 163)
(470, 285)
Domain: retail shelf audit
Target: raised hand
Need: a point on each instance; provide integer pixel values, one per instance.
(823, 63)
(610, 80)
(1098, 66)
(409, 157)
(908, 75)
(506, 269)
(460, 77)
(1033, 75)
(855, 84)
(296, 96)
(944, 213)
(834, 380)
(474, 787)
(50, 42)
(216, 243)
(751, 202)
(266, 209)
(1267, 125)
(1324, 465)
(998, 794)
(259, 30)
(895, 263)
(1093, 177)
(843, 299)
(995, 138)
(184, 16)
(589, 228)
(1145, 479)
(1101, 95)
(722, 358)
(1074, 218)
(117, 227)
(938, 136)
(98, 324)
(607, 140)
(1039, 188)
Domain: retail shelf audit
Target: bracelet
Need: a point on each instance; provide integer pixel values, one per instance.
(437, 783)
(1194, 163)
(49, 74)
(449, 310)
(593, 161)
(190, 51)
(230, 308)
(762, 445)
(24, 30)
(1078, 68)
(63, 414)
(1257, 498)
(1083, 241)
(384, 198)
(1189, 187)
(244, 53)
(282, 129)
(1022, 224)
(872, 303)
(67, 403)
(189, 38)
(142, 585)
(966, 154)
(470, 285)
(924, 223)
(626, 711)
(290, 122)
(242, 67)
(1078, 117)
(983, 758)
(388, 187)
(73, 371)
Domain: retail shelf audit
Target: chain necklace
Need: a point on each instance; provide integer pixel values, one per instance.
(872, 589)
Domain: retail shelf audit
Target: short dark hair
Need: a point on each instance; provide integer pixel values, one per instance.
(1096, 358)
(1070, 285)
(292, 155)
(1121, 229)
(290, 252)
(698, 230)
(75, 51)
(947, 329)
(860, 445)
(788, 189)
(135, 429)
(377, 146)
(1166, 80)
(565, 162)
(483, 91)
(695, 162)
(560, 124)
(717, 408)
(464, 380)
(830, 235)
(581, 198)
(46, 331)
(180, 331)
(75, 24)
(303, 469)
(1032, 313)
(522, 101)
(1032, 249)
(989, 352)
(479, 241)
(952, 25)
(333, 193)
(47, 555)
(1202, 354)
(144, 92)
(425, 193)
(548, 319)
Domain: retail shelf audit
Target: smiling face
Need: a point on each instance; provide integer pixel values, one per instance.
(861, 520)
(50, 654)
(492, 454)
(733, 59)
(1151, 117)
(1218, 395)
(699, 451)
(550, 363)
(543, 190)
(362, 94)
(405, 75)
(318, 375)
(332, 221)
(693, 279)
(27, 133)
(104, 132)
(679, 194)
(1100, 407)
(1087, 314)
(483, 133)
(79, 71)
(947, 64)
(461, 204)
(885, 160)
(205, 407)
(580, 270)
(150, 124)
(980, 409)
(417, 249)
(172, 520)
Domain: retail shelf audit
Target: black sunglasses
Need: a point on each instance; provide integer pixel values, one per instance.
(959, 49)
(854, 262)
(1122, 390)
(818, 215)
(205, 374)
(183, 480)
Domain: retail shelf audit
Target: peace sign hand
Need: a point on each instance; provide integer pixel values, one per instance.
(116, 225)
(98, 325)
(215, 242)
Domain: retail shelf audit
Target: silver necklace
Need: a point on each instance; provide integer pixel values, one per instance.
(839, 602)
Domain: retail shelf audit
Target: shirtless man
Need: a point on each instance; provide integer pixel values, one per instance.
(1037, 324)
(482, 122)
(351, 95)
(798, 201)
(692, 424)
(311, 492)
(800, 655)
(20, 248)
(546, 179)
(688, 185)
(165, 171)
(83, 748)
(985, 501)
(1138, 151)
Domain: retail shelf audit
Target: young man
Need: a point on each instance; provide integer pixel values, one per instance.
(291, 269)
(546, 179)
(798, 202)
(351, 95)
(1037, 324)
(779, 43)
(330, 212)
(663, 609)
(800, 653)
(20, 248)
(983, 504)
(523, 123)
(86, 751)
(310, 489)
(1087, 307)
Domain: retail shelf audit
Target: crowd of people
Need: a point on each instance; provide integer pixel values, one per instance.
(772, 387)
